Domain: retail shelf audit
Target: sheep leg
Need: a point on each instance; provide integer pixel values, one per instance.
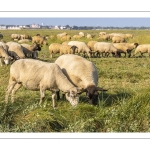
(53, 98)
(42, 95)
(9, 89)
(16, 87)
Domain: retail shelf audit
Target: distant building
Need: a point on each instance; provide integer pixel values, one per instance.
(3, 27)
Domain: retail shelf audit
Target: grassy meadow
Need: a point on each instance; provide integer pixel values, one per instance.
(125, 107)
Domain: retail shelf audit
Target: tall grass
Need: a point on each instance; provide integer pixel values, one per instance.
(125, 107)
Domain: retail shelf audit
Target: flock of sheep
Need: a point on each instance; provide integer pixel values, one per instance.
(79, 76)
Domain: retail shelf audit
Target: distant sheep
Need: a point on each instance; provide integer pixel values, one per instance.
(101, 48)
(81, 34)
(82, 48)
(65, 37)
(118, 39)
(39, 75)
(143, 48)
(76, 37)
(16, 36)
(54, 48)
(39, 40)
(68, 49)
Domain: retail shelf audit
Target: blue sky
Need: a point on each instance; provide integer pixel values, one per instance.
(85, 21)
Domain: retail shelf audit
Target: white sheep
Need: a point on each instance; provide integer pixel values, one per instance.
(143, 48)
(38, 75)
(101, 48)
(54, 48)
(82, 73)
(17, 48)
(81, 34)
(82, 48)
(68, 49)
(118, 39)
(65, 37)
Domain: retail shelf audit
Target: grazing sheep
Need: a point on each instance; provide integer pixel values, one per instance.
(4, 55)
(38, 75)
(39, 40)
(82, 73)
(129, 35)
(76, 37)
(118, 39)
(130, 46)
(105, 37)
(89, 36)
(82, 48)
(122, 49)
(65, 37)
(54, 48)
(102, 33)
(60, 35)
(16, 36)
(81, 34)
(26, 36)
(105, 48)
(17, 48)
(143, 48)
(90, 44)
(68, 49)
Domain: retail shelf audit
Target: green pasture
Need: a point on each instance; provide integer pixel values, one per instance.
(125, 107)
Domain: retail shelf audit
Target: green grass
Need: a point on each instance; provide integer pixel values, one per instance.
(125, 107)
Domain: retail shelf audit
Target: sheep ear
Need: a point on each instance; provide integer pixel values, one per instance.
(100, 89)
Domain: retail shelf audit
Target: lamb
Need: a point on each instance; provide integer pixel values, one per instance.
(17, 48)
(38, 75)
(4, 54)
(118, 39)
(54, 48)
(82, 48)
(68, 49)
(105, 48)
(82, 73)
(143, 48)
